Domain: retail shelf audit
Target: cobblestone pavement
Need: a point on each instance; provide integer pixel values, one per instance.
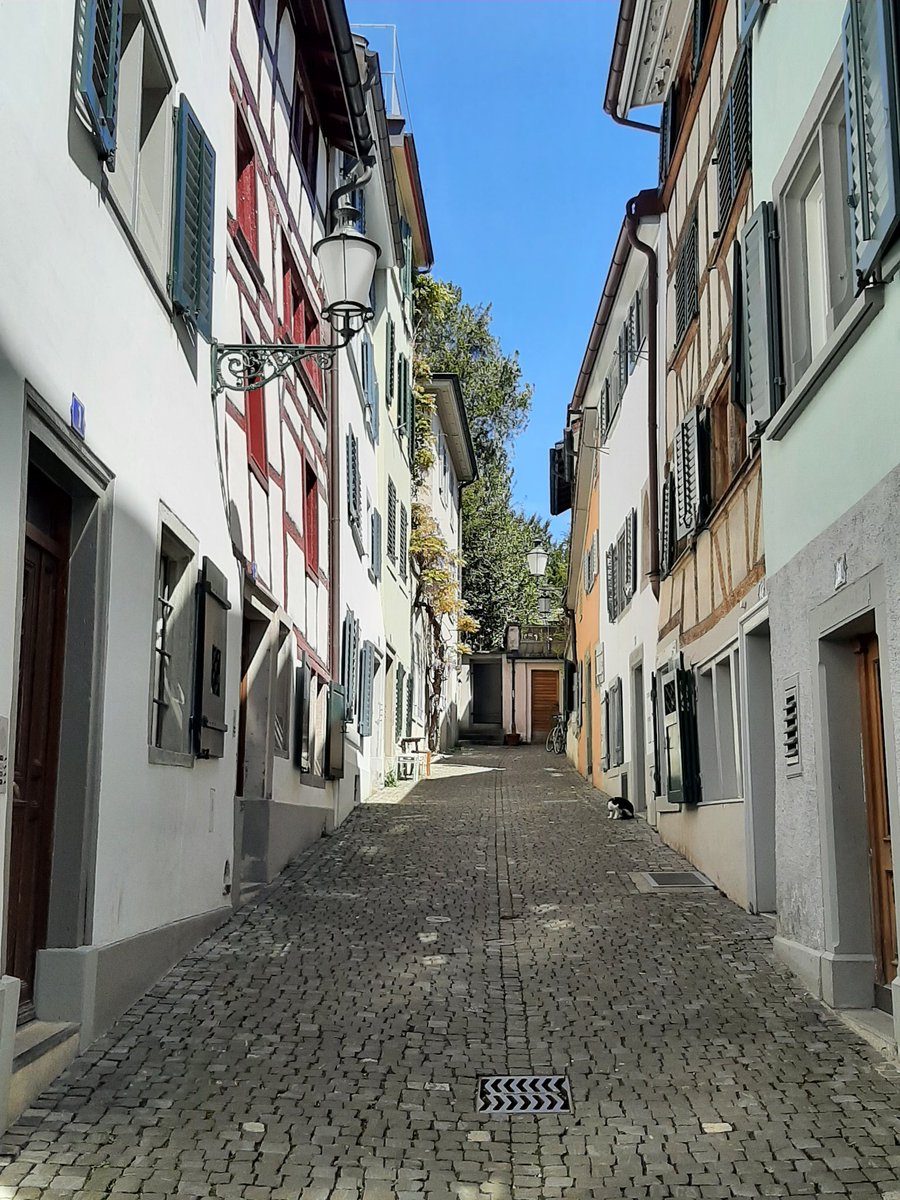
(325, 1044)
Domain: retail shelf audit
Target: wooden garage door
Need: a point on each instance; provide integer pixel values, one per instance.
(544, 701)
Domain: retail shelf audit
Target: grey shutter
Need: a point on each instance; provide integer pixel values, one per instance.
(741, 120)
(687, 476)
(586, 572)
(611, 591)
(667, 526)
(630, 566)
(623, 360)
(350, 662)
(404, 540)
(725, 163)
(211, 663)
(762, 380)
(870, 95)
(680, 746)
(738, 395)
(354, 484)
(99, 83)
(750, 10)
(410, 691)
(560, 484)
(194, 217)
(302, 707)
(335, 723)
(687, 278)
(391, 346)
(702, 11)
(667, 135)
(604, 412)
(618, 724)
(376, 543)
(604, 732)
(392, 522)
(370, 383)
(398, 703)
(366, 689)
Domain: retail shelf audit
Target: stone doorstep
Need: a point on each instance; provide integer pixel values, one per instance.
(43, 1050)
(875, 1026)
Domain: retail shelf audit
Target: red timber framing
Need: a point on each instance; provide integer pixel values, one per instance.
(284, 443)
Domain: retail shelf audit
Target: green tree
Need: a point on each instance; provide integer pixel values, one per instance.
(454, 336)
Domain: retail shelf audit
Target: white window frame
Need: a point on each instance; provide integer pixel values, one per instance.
(719, 726)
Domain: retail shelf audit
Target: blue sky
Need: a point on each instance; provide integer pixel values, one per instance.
(525, 177)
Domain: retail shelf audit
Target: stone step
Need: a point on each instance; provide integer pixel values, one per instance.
(43, 1050)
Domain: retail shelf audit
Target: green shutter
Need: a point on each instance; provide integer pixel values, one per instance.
(398, 706)
(761, 368)
(410, 690)
(391, 360)
(354, 484)
(392, 522)
(376, 543)
(870, 95)
(404, 540)
(99, 84)
(687, 475)
(195, 203)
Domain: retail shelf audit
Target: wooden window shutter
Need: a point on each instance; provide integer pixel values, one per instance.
(623, 360)
(750, 10)
(354, 483)
(392, 522)
(619, 743)
(366, 689)
(611, 588)
(738, 394)
(410, 691)
(870, 93)
(667, 135)
(604, 732)
(687, 476)
(302, 709)
(679, 749)
(667, 525)
(761, 323)
(211, 663)
(404, 540)
(560, 480)
(99, 83)
(335, 724)
(702, 13)
(586, 573)
(195, 206)
(630, 568)
(376, 543)
(599, 665)
(604, 411)
(391, 360)
(398, 703)
(741, 153)
(687, 278)
(725, 163)
(411, 417)
(350, 662)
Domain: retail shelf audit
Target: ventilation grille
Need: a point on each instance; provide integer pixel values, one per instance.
(791, 724)
(656, 881)
(510, 1094)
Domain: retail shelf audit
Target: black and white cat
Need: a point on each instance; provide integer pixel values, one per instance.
(619, 809)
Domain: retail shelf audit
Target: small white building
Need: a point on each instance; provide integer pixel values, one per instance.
(436, 653)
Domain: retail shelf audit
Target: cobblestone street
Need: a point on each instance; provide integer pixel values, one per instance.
(327, 1042)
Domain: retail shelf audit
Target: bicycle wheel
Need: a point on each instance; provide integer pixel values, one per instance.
(550, 740)
(559, 740)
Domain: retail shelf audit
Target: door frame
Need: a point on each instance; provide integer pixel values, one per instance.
(759, 751)
(49, 443)
(551, 668)
(638, 729)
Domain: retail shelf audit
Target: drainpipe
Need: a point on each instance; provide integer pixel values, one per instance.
(631, 225)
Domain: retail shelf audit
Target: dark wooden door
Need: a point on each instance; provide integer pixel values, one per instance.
(880, 858)
(37, 726)
(544, 701)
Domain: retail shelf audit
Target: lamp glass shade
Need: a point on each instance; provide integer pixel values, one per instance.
(347, 260)
(537, 560)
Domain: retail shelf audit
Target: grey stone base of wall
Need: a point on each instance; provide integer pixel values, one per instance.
(93, 985)
(275, 833)
(841, 980)
(9, 1012)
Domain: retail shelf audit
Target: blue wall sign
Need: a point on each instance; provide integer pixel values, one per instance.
(77, 416)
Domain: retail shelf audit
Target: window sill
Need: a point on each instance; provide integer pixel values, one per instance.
(168, 758)
(861, 312)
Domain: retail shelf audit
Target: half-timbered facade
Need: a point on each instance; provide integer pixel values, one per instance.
(693, 58)
(290, 68)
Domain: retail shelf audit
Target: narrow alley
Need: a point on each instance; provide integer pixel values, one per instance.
(326, 1044)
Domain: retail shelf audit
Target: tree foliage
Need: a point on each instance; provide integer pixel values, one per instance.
(453, 336)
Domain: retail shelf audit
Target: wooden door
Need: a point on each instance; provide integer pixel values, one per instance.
(544, 702)
(880, 858)
(37, 727)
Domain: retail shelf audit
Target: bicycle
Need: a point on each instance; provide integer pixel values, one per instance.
(556, 738)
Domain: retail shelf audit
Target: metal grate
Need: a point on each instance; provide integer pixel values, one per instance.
(655, 881)
(511, 1094)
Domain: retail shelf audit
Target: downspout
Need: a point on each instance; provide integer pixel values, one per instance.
(631, 225)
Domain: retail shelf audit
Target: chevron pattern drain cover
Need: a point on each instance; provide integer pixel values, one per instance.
(510, 1094)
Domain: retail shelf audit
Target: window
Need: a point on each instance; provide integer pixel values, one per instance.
(141, 183)
(256, 430)
(173, 645)
(301, 323)
(687, 280)
(305, 133)
(728, 442)
(733, 141)
(246, 187)
(817, 251)
(392, 522)
(311, 519)
(717, 722)
(284, 675)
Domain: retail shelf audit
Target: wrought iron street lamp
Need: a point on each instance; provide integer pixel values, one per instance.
(347, 261)
(537, 558)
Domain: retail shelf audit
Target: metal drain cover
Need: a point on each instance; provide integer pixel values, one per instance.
(653, 881)
(523, 1094)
